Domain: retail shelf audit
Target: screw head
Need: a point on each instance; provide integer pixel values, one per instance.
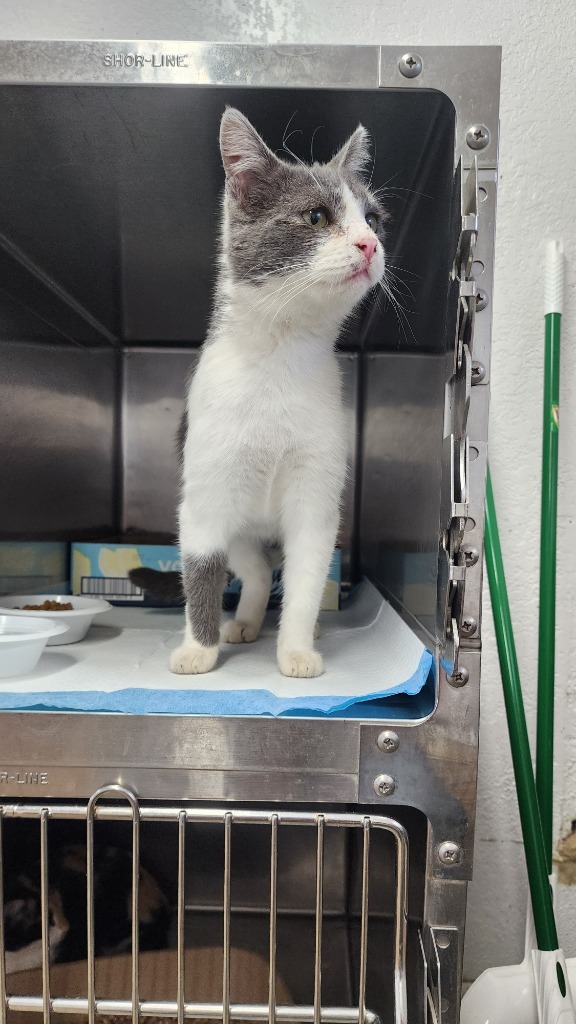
(384, 785)
(410, 65)
(478, 372)
(450, 854)
(388, 741)
(481, 300)
(477, 136)
(469, 626)
(471, 555)
(459, 678)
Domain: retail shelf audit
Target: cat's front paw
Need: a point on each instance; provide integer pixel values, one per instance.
(300, 664)
(192, 660)
(238, 632)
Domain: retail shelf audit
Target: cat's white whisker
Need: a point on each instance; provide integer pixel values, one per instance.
(399, 284)
(317, 129)
(285, 137)
(399, 311)
(373, 163)
(298, 291)
(394, 286)
(296, 288)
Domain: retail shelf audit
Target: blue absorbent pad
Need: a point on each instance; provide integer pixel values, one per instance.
(122, 667)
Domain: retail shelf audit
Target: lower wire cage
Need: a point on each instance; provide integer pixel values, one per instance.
(241, 913)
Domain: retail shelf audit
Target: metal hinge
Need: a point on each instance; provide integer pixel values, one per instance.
(469, 222)
(452, 564)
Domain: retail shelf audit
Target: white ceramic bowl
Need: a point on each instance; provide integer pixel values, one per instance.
(78, 621)
(22, 641)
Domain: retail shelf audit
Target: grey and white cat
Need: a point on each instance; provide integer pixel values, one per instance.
(266, 448)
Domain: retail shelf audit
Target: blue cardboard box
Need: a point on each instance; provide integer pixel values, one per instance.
(101, 570)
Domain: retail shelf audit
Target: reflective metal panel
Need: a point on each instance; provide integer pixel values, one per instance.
(154, 388)
(57, 458)
(212, 746)
(109, 202)
(296, 869)
(401, 477)
(178, 62)
(59, 208)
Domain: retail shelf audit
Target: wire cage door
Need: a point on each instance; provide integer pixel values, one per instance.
(126, 808)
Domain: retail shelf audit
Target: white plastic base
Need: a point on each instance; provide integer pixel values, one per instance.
(553, 992)
(507, 995)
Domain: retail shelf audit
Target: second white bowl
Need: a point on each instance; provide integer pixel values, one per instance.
(22, 641)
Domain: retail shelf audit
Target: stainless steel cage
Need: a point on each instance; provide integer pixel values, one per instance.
(92, 352)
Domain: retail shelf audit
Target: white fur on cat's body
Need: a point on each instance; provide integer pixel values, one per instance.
(30, 957)
(265, 455)
(266, 449)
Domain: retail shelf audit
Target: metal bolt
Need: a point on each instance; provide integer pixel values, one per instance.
(410, 65)
(478, 372)
(470, 555)
(469, 626)
(477, 136)
(459, 678)
(387, 741)
(481, 300)
(384, 785)
(450, 854)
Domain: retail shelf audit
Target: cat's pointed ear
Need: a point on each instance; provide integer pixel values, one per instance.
(246, 157)
(355, 154)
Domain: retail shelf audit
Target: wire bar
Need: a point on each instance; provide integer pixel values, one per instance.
(319, 909)
(45, 913)
(273, 918)
(181, 912)
(364, 921)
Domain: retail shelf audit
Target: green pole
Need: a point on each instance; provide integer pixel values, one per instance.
(525, 786)
(547, 614)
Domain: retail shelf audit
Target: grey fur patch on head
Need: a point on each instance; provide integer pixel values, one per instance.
(266, 198)
(203, 579)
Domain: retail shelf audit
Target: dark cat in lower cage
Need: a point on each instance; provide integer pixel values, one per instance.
(67, 907)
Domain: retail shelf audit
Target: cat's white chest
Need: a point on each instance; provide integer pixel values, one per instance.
(262, 424)
(267, 403)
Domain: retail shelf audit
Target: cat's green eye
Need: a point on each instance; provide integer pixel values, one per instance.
(317, 218)
(372, 220)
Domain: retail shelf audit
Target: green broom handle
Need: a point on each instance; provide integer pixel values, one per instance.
(547, 613)
(536, 863)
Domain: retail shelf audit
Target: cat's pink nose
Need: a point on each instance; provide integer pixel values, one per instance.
(368, 247)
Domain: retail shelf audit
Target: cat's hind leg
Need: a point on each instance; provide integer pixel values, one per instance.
(248, 562)
(203, 578)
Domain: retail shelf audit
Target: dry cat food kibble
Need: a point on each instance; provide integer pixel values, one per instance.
(48, 606)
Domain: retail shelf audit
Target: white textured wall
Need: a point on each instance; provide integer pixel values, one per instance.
(537, 200)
